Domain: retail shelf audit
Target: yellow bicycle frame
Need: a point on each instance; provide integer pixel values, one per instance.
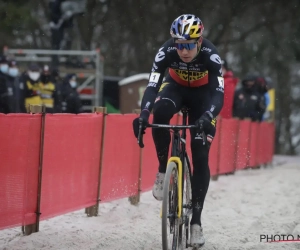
(179, 164)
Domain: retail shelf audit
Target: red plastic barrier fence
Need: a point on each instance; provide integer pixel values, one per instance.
(149, 158)
(214, 151)
(227, 148)
(72, 159)
(270, 142)
(262, 144)
(253, 148)
(243, 144)
(121, 158)
(71, 162)
(19, 163)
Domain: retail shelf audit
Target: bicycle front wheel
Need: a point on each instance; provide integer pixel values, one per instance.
(170, 221)
(184, 228)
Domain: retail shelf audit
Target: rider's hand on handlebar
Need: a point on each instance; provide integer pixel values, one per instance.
(207, 123)
(136, 125)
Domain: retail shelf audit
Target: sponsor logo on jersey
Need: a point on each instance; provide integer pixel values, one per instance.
(171, 48)
(190, 75)
(151, 84)
(206, 49)
(215, 58)
(174, 65)
(162, 86)
(160, 55)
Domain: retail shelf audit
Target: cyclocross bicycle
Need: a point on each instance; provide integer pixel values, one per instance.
(177, 193)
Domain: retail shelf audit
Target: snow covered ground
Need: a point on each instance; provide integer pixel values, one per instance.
(238, 209)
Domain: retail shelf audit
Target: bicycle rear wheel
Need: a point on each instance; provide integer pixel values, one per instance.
(170, 221)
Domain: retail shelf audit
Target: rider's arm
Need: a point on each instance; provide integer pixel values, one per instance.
(216, 83)
(155, 80)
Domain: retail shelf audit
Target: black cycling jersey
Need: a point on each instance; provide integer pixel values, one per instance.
(204, 69)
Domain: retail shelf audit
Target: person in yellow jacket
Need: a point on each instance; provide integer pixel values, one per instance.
(29, 88)
(38, 88)
(271, 105)
(49, 91)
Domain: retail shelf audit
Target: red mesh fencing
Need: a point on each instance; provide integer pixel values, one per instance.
(71, 162)
(19, 154)
(262, 144)
(214, 151)
(228, 143)
(253, 148)
(72, 156)
(270, 142)
(243, 144)
(149, 160)
(121, 158)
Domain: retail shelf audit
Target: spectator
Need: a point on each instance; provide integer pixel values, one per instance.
(29, 88)
(270, 94)
(230, 83)
(71, 102)
(262, 89)
(248, 102)
(6, 88)
(13, 78)
(48, 92)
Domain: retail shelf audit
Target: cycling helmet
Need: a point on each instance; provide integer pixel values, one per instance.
(187, 27)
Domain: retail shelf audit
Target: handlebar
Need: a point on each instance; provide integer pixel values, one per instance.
(174, 127)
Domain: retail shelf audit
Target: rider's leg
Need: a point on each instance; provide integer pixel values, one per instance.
(168, 103)
(201, 175)
(199, 102)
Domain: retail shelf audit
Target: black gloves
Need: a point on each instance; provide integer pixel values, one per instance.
(207, 123)
(136, 124)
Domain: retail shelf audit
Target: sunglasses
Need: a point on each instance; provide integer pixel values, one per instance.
(187, 46)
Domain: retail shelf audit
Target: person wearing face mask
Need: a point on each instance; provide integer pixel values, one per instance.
(7, 104)
(71, 102)
(30, 88)
(247, 100)
(13, 78)
(3, 65)
(48, 91)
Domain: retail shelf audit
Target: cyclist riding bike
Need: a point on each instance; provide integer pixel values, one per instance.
(194, 80)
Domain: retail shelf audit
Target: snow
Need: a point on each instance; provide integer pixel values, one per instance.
(237, 210)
